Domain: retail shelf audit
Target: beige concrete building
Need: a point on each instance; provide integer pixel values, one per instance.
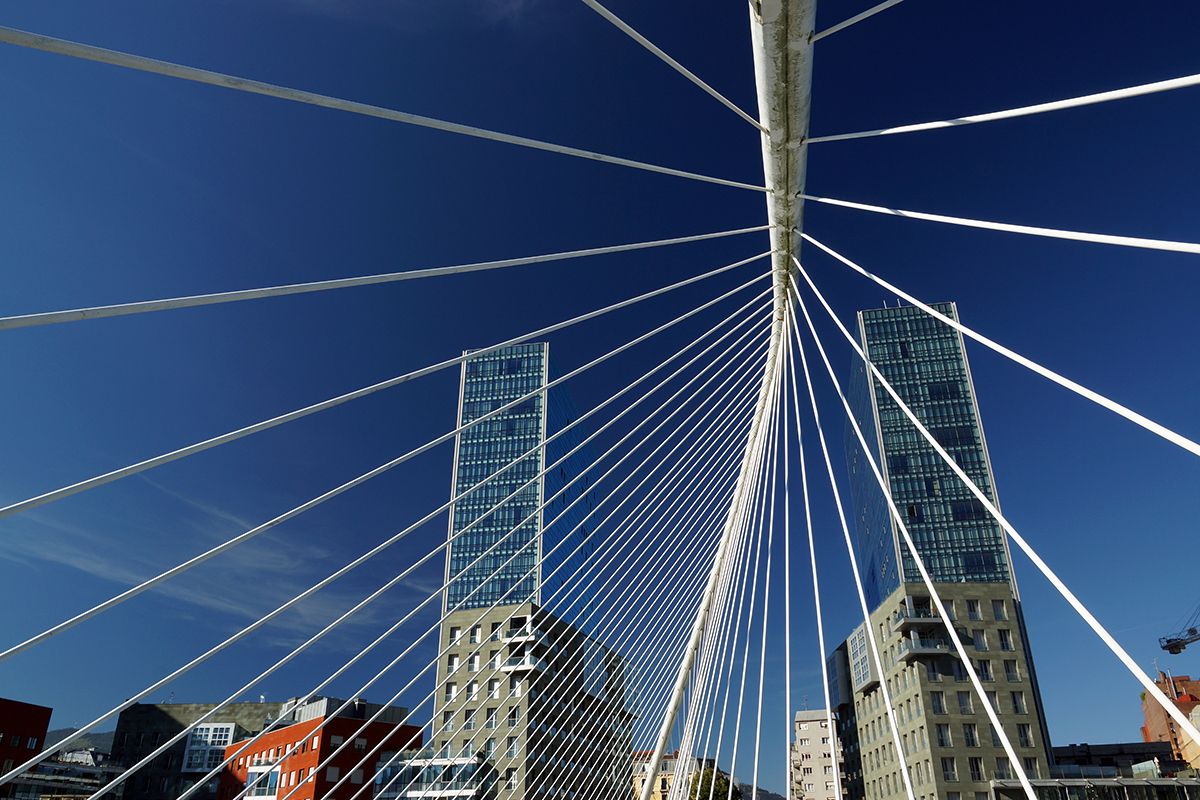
(948, 742)
(541, 702)
(667, 773)
(813, 771)
(1190, 748)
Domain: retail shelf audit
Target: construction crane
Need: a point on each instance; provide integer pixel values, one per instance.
(1176, 642)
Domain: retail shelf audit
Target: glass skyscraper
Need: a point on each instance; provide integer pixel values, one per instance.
(949, 744)
(506, 516)
(926, 363)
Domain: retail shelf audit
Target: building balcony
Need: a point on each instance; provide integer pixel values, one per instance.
(523, 664)
(524, 633)
(924, 647)
(909, 618)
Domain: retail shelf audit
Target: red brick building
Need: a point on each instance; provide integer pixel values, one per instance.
(1159, 727)
(23, 729)
(313, 747)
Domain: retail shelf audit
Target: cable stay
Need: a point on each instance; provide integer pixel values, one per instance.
(312, 503)
(49, 44)
(1030, 230)
(192, 301)
(258, 427)
(841, 26)
(668, 403)
(1101, 400)
(1171, 84)
(629, 31)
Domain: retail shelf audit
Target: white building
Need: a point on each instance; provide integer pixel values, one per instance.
(813, 771)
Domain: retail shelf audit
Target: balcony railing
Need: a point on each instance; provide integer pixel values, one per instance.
(915, 648)
(521, 663)
(907, 618)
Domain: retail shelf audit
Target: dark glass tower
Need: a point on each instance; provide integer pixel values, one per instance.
(925, 362)
(507, 515)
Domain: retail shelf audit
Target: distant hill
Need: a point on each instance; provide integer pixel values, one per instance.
(763, 794)
(101, 741)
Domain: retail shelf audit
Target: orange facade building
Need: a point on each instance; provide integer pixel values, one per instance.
(297, 777)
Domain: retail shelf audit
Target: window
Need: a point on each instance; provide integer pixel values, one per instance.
(975, 766)
(938, 701)
(1006, 642)
(490, 720)
(1018, 701)
(514, 686)
(494, 688)
(970, 735)
(980, 640)
(965, 706)
(452, 663)
(1003, 770)
(999, 611)
(472, 690)
(360, 743)
(468, 748)
(967, 510)
(495, 637)
(451, 691)
(915, 513)
(1031, 767)
(984, 669)
(32, 743)
(953, 796)
(455, 634)
(1023, 734)
(448, 721)
(943, 735)
(973, 610)
(473, 663)
(514, 716)
(1010, 670)
(475, 631)
(949, 769)
(332, 773)
(336, 740)
(512, 749)
(995, 736)
(489, 748)
(469, 719)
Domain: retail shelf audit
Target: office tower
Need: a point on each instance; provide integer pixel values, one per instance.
(812, 768)
(528, 701)
(951, 749)
(504, 514)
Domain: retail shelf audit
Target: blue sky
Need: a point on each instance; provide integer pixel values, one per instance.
(121, 186)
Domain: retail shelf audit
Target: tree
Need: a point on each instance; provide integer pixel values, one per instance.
(713, 783)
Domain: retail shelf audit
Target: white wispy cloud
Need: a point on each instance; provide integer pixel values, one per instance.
(241, 584)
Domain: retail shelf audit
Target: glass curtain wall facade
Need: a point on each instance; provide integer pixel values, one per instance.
(506, 515)
(925, 362)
